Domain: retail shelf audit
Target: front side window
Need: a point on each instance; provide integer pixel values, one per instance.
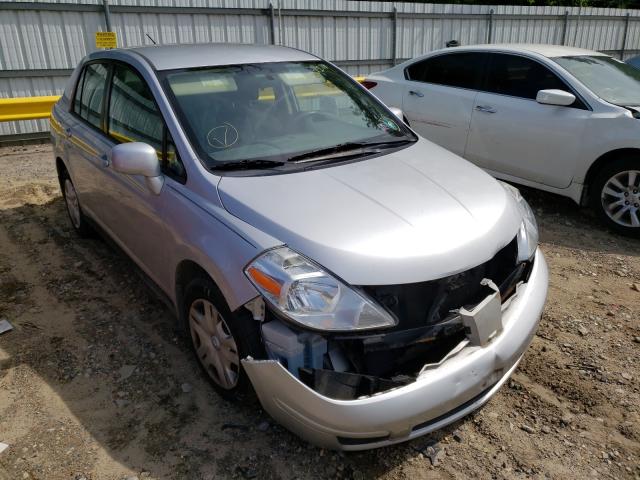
(462, 70)
(133, 114)
(612, 80)
(520, 77)
(275, 110)
(90, 93)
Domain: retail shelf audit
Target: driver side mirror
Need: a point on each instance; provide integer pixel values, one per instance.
(555, 97)
(137, 158)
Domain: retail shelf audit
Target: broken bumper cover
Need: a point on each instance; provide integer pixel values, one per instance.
(439, 396)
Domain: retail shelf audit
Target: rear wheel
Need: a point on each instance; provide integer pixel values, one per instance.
(78, 220)
(220, 338)
(616, 195)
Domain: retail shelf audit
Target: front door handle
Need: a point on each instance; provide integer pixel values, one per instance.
(67, 131)
(416, 93)
(485, 109)
(105, 160)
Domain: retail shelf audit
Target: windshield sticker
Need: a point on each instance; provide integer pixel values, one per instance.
(222, 136)
(390, 124)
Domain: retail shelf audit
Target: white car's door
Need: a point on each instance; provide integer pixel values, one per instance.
(439, 94)
(513, 135)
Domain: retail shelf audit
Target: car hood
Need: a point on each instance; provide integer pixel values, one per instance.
(413, 215)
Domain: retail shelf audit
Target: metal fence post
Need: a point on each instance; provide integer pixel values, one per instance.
(565, 26)
(272, 19)
(490, 27)
(624, 36)
(107, 15)
(394, 36)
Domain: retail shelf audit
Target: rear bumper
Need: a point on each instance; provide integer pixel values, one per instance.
(461, 384)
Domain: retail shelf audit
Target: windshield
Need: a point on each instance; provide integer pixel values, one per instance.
(275, 111)
(610, 79)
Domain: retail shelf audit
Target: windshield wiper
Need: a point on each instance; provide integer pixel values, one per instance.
(345, 150)
(248, 164)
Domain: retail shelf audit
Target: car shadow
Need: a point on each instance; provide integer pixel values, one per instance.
(95, 381)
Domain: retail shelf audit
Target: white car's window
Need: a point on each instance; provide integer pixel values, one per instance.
(612, 80)
(90, 93)
(275, 110)
(519, 77)
(462, 70)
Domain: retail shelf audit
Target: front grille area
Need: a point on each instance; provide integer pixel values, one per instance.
(428, 303)
(428, 330)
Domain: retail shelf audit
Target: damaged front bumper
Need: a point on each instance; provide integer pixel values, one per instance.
(439, 396)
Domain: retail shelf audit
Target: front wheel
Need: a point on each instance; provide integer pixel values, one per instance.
(220, 338)
(616, 196)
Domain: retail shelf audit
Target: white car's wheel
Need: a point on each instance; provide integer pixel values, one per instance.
(616, 196)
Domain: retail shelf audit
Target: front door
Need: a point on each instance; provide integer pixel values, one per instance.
(134, 214)
(513, 135)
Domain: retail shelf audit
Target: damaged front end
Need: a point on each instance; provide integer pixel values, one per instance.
(435, 319)
(456, 341)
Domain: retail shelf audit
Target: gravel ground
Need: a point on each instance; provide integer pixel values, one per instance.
(95, 383)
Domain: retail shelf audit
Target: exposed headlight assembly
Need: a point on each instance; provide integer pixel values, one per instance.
(304, 293)
(528, 233)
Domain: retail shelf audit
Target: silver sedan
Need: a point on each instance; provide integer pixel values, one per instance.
(369, 285)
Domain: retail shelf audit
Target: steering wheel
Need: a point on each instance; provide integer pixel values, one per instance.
(267, 114)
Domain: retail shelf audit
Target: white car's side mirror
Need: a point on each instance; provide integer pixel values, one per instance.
(137, 158)
(555, 97)
(399, 113)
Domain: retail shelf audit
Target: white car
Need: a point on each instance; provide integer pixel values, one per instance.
(561, 119)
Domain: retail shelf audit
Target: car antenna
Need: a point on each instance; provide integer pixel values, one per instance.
(149, 37)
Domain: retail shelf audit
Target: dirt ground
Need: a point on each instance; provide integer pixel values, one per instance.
(96, 384)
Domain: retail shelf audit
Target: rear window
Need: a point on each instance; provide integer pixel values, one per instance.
(462, 70)
(90, 93)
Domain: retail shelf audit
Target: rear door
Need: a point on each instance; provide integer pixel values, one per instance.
(439, 94)
(87, 145)
(513, 135)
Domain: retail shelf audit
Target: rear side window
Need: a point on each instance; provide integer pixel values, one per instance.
(90, 93)
(133, 114)
(463, 70)
(520, 77)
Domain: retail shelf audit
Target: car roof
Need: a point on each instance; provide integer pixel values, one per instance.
(550, 51)
(169, 57)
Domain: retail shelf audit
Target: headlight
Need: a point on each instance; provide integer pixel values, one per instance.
(528, 233)
(303, 292)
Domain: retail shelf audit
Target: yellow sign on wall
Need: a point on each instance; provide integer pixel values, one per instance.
(106, 40)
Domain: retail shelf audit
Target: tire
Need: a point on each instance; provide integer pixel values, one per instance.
(220, 338)
(615, 196)
(74, 210)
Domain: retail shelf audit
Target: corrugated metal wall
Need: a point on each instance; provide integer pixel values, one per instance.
(41, 41)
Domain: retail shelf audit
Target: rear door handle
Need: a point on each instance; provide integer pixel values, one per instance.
(68, 132)
(105, 160)
(416, 93)
(485, 109)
